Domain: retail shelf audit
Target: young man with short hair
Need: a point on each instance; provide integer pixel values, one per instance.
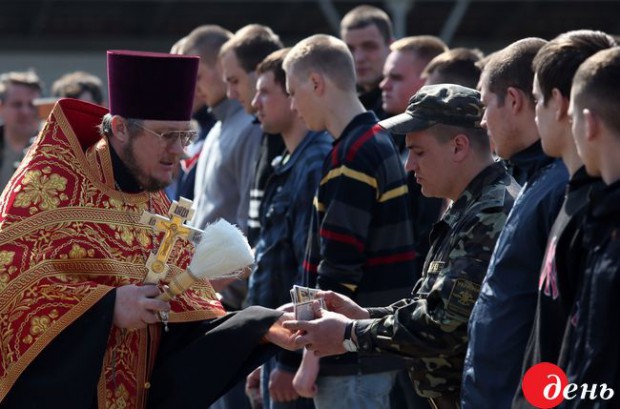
(451, 156)
(590, 350)
(402, 71)
(456, 66)
(361, 241)
(562, 267)
(285, 214)
(501, 320)
(239, 58)
(367, 31)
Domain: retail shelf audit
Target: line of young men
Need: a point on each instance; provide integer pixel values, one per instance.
(525, 98)
(269, 286)
(367, 33)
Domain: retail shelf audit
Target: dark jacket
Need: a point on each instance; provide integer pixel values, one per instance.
(560, 277)
(501, 321)
(285, 214)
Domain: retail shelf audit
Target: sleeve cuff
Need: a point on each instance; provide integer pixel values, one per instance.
(363, 333)
(378, 312)
(288, 360)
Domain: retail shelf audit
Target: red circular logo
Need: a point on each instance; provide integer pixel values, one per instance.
(543, 385)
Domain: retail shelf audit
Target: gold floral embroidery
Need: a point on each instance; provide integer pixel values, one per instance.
(6, 259)
(38, 325)
(120, 400)
(129, 234)
(78, 251)
(41, 187)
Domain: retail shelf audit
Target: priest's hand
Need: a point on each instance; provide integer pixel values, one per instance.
(281, 336)
(343, 305)
(136, 306)
(323, 335)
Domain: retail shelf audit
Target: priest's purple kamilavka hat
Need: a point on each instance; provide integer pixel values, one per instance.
(157, 86)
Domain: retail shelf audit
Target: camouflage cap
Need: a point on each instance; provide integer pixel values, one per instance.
(447, 104)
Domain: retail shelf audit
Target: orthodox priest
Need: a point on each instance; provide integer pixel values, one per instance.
(79, 324)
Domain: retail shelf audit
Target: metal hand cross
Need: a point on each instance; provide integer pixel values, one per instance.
(174, 228)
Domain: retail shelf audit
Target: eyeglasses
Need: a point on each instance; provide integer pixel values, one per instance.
(169, 138)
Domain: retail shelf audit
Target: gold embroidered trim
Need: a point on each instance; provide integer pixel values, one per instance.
(18, 367)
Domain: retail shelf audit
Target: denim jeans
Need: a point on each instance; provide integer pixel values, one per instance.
(355, 391)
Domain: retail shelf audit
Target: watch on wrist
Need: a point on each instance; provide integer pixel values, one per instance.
(348, 342)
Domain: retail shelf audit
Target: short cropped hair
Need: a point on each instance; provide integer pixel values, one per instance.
(512, 67)
(206, 42)
(456, 66)
(478, 137)
(251, 44)
(273, 63)
(74, 84)
(28, 79)
(596, 86)
(423, 46)
(323, 54)
(364, 16)
(558, 60)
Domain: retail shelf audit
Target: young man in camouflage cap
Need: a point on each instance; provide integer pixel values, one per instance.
(451, 157)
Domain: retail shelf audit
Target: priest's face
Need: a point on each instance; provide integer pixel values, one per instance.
(153, 150)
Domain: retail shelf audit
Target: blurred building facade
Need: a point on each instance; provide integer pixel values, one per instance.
(56, 36)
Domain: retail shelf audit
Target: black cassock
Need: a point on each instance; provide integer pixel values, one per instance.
(196, 362)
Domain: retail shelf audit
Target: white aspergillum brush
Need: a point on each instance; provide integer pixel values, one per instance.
(222, 251)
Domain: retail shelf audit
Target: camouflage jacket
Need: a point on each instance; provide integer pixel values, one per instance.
(431, 327)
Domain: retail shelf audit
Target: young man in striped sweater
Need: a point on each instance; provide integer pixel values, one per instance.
(361, 240)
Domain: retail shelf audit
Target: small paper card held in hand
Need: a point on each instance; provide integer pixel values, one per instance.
(303, 298)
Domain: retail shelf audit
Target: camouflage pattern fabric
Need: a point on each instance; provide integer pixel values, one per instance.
(431, 327)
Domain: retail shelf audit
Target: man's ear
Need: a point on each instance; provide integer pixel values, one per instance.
(460, 146)
(559, 104)
(515, 98)
(592, 124)
(318, 83)
(119, 129)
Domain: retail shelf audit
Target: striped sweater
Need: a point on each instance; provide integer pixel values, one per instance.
(361, 240)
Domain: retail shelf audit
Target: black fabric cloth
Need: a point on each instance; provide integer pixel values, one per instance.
(560, 277)
(66, 372)
(196, 363)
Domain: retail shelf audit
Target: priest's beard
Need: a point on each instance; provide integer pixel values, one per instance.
(147, 182)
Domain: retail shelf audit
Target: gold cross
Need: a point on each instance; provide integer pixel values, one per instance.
(174, 228)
